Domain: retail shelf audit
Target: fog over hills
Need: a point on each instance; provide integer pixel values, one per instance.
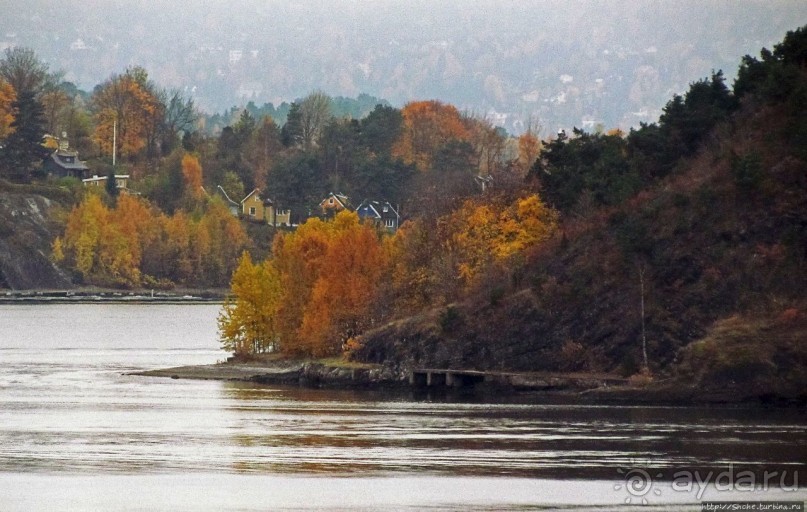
(555, 64)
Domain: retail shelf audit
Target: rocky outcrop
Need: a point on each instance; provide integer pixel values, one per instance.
(289, 372)
(26, 234)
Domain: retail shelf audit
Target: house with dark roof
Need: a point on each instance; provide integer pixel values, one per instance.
(64, 163)
(382, 213)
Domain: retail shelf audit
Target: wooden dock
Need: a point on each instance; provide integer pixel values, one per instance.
(453, 378)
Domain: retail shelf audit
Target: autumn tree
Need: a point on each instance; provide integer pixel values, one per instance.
(347, 285)
(95, 246)
(529, 147)
(132, 244)
(248, 320)
(55, 105)
(427, 126)
(125, 103)
(7, 98)
(192, 172)
(299, 257)
(262, 150)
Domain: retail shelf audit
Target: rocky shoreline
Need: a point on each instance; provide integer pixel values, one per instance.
(319, 374)
(288, 372)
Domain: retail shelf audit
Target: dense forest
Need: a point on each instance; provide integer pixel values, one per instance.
(676, 247)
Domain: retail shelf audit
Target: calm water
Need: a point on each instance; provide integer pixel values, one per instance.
(78, 433)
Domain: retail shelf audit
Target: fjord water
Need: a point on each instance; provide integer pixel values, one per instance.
(78, 432)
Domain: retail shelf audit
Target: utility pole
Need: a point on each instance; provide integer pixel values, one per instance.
(644, 337)
(114, 140)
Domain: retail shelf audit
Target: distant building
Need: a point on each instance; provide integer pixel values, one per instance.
(382, 213)
(255, 208)
(64, 163)
(334, 203)
(121, 181)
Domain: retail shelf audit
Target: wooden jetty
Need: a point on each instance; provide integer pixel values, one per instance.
(453, 378)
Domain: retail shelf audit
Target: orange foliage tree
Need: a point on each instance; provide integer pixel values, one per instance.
(317, 292)
(427, 126)
(346, 288)
(7, 99)
(126, 103)
(192, 172)
(529, 147)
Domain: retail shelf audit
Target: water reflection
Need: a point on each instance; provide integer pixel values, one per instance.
(350, 432)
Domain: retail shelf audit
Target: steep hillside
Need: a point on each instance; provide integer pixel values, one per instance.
(26, 232)
(723, 237)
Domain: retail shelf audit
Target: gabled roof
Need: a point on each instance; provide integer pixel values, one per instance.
(376, 209)
(256, 191)
(342, 199)
(68, 160)
(369, 208)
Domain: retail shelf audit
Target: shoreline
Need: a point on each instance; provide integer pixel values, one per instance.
(103, 295)
(371, 377)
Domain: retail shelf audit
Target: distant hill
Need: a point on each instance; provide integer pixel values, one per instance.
(553, 64)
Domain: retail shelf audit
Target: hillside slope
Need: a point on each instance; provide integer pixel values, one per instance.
(724, 237)
(26, 233)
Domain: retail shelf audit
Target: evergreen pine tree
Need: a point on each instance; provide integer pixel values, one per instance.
(23, 152)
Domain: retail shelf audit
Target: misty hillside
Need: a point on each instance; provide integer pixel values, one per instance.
(555, 64)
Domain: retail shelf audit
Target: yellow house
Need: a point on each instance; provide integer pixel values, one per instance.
(252, 206)
(255, 208)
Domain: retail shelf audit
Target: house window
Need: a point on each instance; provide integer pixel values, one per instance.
(251, 211)
(330, 201)
(385, 209)
(390, 223)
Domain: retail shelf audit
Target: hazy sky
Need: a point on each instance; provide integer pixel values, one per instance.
(566, 58)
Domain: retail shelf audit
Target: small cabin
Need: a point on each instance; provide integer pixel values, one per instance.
(64, 163)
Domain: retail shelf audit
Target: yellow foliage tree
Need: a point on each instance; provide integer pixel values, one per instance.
(132, 243)
(478, 235)
(247, 322)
